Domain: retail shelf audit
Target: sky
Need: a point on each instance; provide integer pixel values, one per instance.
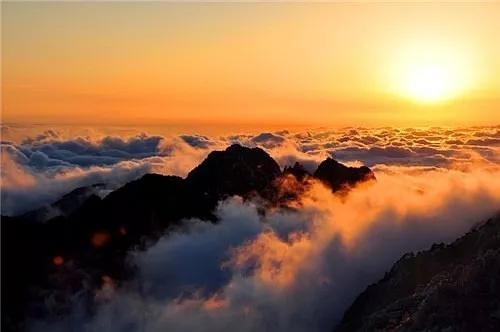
(262, 64)
(105, 92)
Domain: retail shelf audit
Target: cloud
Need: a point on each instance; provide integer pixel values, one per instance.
(54, 161)
(484, 142)
(81, 151)
(268, 140)
(187, 262)
(39, 170)
(290, 270)
(24, 189)
(197, 141)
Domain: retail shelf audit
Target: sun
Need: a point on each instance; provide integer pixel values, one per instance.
(429, 82)
(431, 72)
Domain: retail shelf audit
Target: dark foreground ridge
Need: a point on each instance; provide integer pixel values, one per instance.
(59, 250)
(453, 287)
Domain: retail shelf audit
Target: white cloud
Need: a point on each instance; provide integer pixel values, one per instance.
(291, 270)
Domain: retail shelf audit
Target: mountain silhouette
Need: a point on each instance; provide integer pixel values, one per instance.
(297, 170)
(338, 176)
(94, 234)
(67, 247)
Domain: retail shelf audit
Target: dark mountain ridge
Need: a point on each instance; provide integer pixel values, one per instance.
(94, 235)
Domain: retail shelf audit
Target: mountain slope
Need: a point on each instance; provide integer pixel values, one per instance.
(453, 287)
(64, 206)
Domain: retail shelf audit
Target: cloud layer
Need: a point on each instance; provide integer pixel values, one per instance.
(289, 270)
(37, 170)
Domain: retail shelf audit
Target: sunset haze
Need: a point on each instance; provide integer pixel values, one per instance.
(329, 64)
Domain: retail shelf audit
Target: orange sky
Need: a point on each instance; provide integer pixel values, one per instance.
(248, 63)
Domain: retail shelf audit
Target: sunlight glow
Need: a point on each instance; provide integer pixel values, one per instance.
(430, 83)
(434, 72)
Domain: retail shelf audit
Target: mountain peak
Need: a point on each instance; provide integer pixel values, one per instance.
(297, 170)
(237, 170)
(337, 176)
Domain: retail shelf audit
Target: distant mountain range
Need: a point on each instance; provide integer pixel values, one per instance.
(449, 288)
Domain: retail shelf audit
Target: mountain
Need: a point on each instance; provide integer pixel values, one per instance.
(338, 176)
(454, 287)
(93, 235)
(53, 253)
(64, 206)
(297, 170)
(236, 171)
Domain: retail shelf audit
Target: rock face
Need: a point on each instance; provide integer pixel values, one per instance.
(297, 170)
(453, 287)
(236, 171)
(338, 176)
(96, 234)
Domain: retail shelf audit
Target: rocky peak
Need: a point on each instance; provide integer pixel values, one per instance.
(237, 170)
(296, 170)
(337, 175)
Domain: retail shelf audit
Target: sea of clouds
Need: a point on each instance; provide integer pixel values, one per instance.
(287, 270)
(293, 270)
(39, 169)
